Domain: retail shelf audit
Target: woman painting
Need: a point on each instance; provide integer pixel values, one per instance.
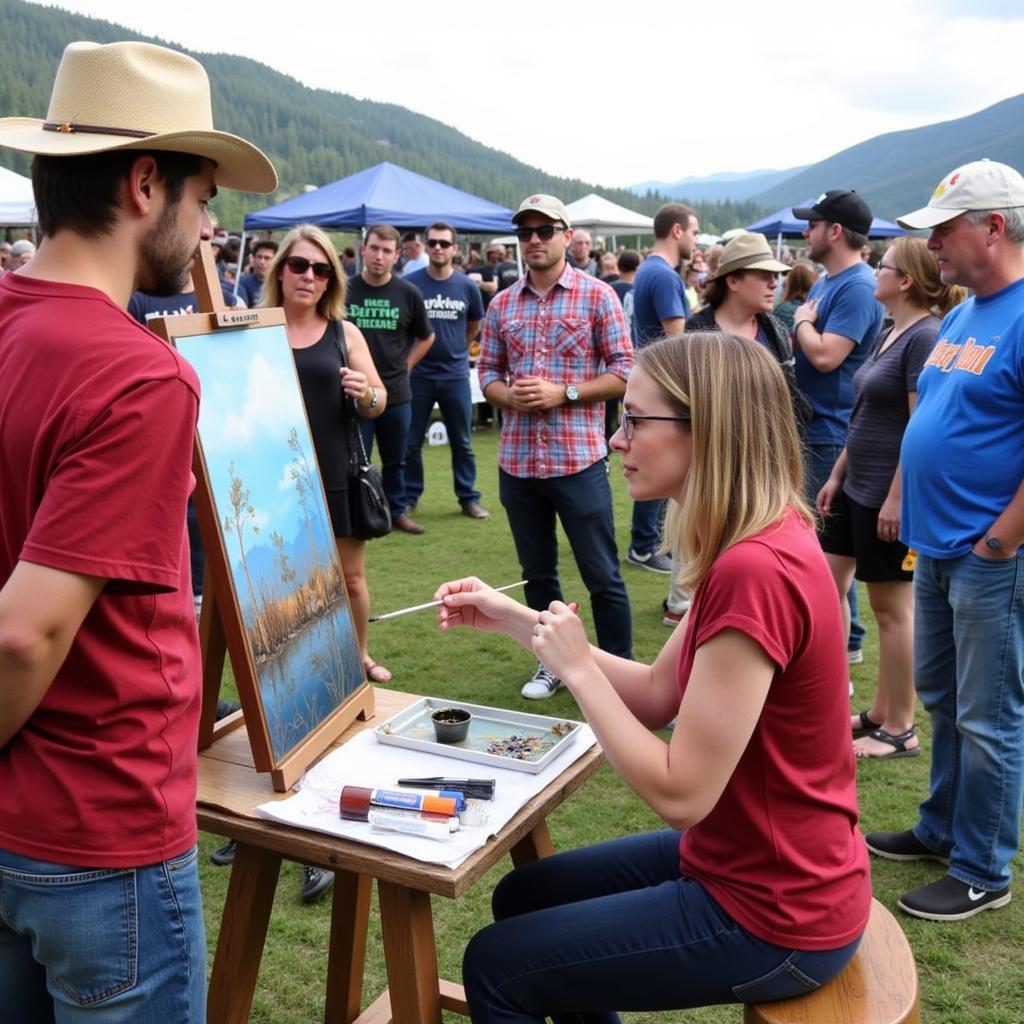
(306, 279)
(759, 887)
(860, 501)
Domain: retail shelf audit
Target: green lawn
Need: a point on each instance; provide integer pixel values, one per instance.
(971, 973)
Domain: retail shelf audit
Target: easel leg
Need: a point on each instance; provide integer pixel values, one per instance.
(350, 912)
(410, 953)
(534, 845)
(243, 932)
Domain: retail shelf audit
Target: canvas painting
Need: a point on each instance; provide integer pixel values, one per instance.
(266, 490)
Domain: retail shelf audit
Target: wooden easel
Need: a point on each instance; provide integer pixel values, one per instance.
(221, 630)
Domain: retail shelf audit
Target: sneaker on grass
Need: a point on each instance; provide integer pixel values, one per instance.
(653, 561)
(901, 846)
(854, 656)
(542, 684)
(949, 899)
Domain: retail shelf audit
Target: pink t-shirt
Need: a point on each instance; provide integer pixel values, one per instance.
(781, 851)
(96, 433)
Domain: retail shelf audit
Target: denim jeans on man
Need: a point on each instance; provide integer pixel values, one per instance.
(969, 672)
(104, 945)
(818, 462)
(612, 927)
(583, 503)
(456, 404)
(645, 529)
(391, 428)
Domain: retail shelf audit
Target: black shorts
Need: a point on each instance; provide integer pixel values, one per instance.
(341, 518)
(852, 530)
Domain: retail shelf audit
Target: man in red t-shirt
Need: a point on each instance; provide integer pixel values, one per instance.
(99, 657)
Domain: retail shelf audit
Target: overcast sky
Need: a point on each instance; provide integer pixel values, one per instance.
(621, 92)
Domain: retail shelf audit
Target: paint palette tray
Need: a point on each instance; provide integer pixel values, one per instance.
(497, 737)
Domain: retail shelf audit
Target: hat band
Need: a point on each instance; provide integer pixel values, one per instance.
(69, 127)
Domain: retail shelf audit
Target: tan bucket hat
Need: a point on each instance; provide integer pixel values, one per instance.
(748, 251)
(136, 96)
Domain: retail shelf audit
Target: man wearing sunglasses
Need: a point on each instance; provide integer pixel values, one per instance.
(555, 348)
(390, 313)
(455, 309)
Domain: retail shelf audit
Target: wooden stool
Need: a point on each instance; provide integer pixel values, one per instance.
(878, 986)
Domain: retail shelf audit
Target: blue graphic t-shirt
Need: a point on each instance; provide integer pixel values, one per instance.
(846, 306)
(963, 455)
(451, 305)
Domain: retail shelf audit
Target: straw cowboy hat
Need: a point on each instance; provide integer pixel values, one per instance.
(749, 250)
(136, 96)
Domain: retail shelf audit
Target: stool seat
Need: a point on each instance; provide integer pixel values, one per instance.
(878, 986)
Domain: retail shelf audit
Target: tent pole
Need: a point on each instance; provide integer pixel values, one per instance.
(241, 264)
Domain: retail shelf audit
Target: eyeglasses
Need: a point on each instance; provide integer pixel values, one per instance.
(439, 243)
(299, 265)
(545, 232)
(630, 420)
(885, 266)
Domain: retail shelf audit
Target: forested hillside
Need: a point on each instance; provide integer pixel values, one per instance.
(313, 136)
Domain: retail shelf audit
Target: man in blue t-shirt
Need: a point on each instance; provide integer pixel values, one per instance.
(834, 330)
(962, 465)
(250, 287)
(455, 309)
(660, 308)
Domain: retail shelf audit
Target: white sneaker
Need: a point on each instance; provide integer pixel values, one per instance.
(542, 684)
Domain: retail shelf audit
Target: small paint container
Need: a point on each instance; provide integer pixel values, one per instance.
(451, 725)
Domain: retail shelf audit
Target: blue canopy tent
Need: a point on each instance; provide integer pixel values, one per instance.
(782, 224)
(385, 194)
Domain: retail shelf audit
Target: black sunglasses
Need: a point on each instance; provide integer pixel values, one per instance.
(299, 265)
(545, 232)
(443, 243)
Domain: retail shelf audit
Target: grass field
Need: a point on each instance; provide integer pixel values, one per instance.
(971, 973)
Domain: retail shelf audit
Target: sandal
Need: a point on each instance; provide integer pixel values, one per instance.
(375, 672)
(866, 724)
(898, 742)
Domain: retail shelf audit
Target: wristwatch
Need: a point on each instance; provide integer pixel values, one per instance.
(993, 543)
(572, 393)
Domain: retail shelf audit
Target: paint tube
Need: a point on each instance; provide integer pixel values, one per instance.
(412, 823)
(447, 804)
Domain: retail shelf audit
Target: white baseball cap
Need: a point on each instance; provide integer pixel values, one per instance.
(981, 185)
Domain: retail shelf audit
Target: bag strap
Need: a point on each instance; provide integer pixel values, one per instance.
(356, 448)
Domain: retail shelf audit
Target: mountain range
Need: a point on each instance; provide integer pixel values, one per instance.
(315, 136)
(895, 172)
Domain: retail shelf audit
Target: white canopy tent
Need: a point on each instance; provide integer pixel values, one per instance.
(17, 204)
(601, 216)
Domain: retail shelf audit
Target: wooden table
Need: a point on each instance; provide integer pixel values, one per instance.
(230, 789)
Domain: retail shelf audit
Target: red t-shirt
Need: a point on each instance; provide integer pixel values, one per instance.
(96, 432)
(781, 851)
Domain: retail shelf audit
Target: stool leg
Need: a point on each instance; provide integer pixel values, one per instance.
(346, 962)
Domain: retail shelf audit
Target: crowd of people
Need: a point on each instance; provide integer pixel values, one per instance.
(857, 423)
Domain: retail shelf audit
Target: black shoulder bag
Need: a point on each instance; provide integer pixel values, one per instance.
(367, 505)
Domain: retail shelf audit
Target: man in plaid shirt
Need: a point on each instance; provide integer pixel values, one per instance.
(555, 347)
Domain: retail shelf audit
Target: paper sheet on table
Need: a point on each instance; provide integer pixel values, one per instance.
(363, 761)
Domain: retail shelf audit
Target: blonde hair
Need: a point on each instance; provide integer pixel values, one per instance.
(332, 303)
(917, 261)
(746, 470)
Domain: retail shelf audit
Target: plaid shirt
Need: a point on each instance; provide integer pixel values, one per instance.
(574, 333)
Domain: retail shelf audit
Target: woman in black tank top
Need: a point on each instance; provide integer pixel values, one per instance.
(335, 370)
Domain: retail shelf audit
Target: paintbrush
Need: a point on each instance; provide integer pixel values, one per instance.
(433, 604)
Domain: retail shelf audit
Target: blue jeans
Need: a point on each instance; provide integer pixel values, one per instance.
(818, 462)
(583, 503)
(645, 531)
(456, 404)
(583, 934)
(109, 945)
(969, 672)
(391, 429)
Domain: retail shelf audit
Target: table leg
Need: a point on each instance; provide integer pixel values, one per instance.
(534, 845)
(350, 913)
(407, 927)
(243, 932)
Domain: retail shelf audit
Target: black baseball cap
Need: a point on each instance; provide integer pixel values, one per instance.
(838, 207)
